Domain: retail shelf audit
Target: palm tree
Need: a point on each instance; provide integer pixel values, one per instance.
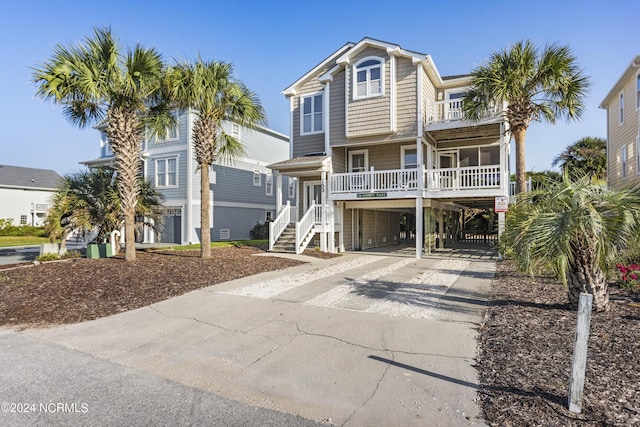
(533, 86)
(89, 201)
(587, 156)
(210, 89)
(577, 227)
(95, 82)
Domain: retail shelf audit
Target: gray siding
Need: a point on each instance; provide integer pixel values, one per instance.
(236, 185)
(369, 115)
(239, 221)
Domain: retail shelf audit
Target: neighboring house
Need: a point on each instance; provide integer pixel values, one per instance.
(243, 192)
(623, 128)
(25, 194)
(382, 153)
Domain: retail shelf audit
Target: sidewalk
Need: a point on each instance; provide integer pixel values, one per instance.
(355, 340)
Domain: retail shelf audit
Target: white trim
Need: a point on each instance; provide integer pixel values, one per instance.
(289, 91)
(637, 87)
(354, 72)
(347, 80)
(366, 159)
(392, 92)
(291, 105)
(419, 99)
(325, 119)
(301, 99)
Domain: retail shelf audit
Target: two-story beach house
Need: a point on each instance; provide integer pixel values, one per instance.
(623, 128)
(382, 152)
(242, 191)
(25, 194)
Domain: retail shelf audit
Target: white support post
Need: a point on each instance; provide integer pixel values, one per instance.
(278, 193)
(579, 364)
(441, 230)
(419, 226)
(323, 211)
(341, 232)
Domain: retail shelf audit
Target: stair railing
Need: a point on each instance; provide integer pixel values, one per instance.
(304, 226)
(277, 226)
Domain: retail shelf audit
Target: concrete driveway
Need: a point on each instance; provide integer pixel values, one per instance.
(363, 339)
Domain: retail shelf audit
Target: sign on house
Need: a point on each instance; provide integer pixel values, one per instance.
(501, 204)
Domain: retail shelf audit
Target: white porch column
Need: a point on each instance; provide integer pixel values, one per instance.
(441, 229)
(323, 211)
(341, 231)
(419, 226)
(278, 192)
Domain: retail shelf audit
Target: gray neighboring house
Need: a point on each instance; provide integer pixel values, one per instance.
(25, 193)
(243, 192)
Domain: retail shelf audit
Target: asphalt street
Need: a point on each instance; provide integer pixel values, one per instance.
(44, 384)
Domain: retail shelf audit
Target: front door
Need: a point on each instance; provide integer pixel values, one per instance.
(447, 160)
(312, 193)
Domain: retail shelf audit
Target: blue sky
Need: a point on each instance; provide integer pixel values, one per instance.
(273, 43)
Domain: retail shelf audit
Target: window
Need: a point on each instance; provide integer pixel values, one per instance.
(368, 78)
(268, 216)
(292, 188)
(257, 178)
(409, 157)
(167, 172)
(623, 161)
(23, 219)
(621, 108)
(235, 130)
(358, 161)
(170, 136)
(268, 185)
(311, 120)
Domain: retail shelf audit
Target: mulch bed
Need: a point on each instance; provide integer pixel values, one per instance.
(526, 349)
(84, 289)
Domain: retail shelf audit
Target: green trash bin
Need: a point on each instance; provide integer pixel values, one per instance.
(102, 250)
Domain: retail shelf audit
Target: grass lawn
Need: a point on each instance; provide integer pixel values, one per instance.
(222, 244)
(22, 241)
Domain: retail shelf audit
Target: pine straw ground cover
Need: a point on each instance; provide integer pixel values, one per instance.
(84, 289)
(526, 348)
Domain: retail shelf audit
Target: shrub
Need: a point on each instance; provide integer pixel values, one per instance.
(260, 231)
(22, 230)
(629, 276)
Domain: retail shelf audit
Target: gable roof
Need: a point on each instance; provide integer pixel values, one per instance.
(342, 57)
(16, 176)
(631, 69)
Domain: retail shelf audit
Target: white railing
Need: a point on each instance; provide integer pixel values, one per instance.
(277, 226)
(386, 180)
(512, 187)
(466, 178)
(304, 226)
(450, 110)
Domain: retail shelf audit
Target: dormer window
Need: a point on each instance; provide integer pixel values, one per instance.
(368, 79)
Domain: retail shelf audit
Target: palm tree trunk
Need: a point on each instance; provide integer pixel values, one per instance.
(521, 169)
(123, 129)
(205, 225)
(584, 275)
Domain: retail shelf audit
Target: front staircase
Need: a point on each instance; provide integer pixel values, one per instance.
(287, 241)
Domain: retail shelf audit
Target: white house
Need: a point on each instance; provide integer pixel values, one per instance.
(25, 194)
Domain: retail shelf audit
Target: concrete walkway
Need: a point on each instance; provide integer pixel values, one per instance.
(363, 339)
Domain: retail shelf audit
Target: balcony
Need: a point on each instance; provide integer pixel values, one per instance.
(450, 113)
(474, 181)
